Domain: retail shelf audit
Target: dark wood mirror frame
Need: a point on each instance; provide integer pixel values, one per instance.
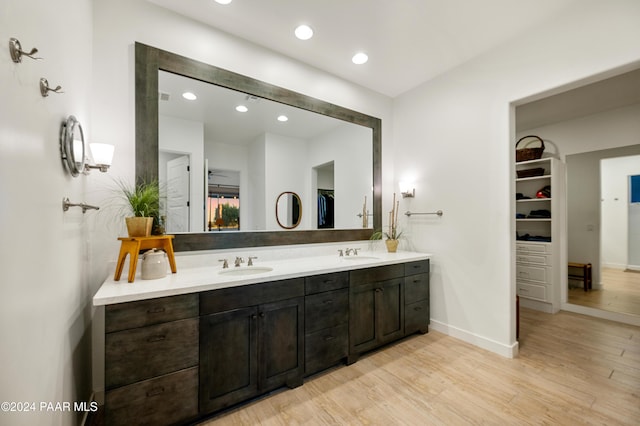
(149, 60)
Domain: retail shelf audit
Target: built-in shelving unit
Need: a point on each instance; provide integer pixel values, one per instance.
(539, 227)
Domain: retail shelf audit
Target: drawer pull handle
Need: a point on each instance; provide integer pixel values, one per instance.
(328, 281)
(328, 302)
(155, 391)
(327, 338)
(155, 310)
(416, 281)
(254, 316)
(524, 290)
(261, 314)
(417, 308)
(157, 338)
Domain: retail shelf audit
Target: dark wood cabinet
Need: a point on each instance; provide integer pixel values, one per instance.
(326, 321)
(376, 314)
(416, 284)
(249, 350)
(151, 361)
(174, 359)
(387, 303)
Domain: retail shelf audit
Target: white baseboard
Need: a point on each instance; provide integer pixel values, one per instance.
(633, 267)
(508, 351)
(598, 313)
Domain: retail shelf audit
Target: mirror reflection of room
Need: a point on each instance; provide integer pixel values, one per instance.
(272, 147)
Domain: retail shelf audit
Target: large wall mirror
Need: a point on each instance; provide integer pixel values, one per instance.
(221, 170)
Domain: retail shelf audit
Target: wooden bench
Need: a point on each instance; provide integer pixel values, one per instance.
(582, 272)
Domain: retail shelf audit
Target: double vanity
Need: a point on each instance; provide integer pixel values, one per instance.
(186, 346)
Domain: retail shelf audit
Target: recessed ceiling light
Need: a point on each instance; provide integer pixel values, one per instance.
(189, 96)
(304, 32)
(283, 118)
(223, 1)
(242, 108)
(360, 58)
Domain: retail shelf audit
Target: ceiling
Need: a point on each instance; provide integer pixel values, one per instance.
(615, 92)
(408, 41)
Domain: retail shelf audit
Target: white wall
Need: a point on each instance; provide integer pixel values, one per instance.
(352, 167)
(284, 166)
(186, 137)
(453, 138)
(615, 209)
(45, 301)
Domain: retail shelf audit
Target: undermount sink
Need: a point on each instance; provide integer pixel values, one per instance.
(246, 270)
(358, 257)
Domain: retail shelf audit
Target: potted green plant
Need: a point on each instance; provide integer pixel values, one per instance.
(142, 205)
(392, 236)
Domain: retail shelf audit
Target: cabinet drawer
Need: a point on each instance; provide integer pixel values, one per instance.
(123, 316)
(419, 267)
(416, 316)
(377, 274)
(326, 282)
(165, 400)
(325, 348)
(230, 298)
(523, 248)
(142, 353)
(416, 287)
(538, 259)
(532, 273)
(532, 291)
(326, 309)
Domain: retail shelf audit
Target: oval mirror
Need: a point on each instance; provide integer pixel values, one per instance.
(288, 210)
(72, 145)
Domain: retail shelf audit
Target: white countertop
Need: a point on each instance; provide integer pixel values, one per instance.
(196, 273)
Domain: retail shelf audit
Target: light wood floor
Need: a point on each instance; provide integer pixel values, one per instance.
(620, 293)
(571, 370)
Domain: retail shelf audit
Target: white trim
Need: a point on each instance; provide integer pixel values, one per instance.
(598, 313)
(476, 340)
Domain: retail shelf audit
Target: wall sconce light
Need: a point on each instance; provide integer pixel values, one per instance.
(406, 190)
(102, 154)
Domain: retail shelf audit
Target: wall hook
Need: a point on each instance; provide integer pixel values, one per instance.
(45, 89)
(15, 49)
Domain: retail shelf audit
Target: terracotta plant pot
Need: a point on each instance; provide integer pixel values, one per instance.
(139, 226)
(392, 245)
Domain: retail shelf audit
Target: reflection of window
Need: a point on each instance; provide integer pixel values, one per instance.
(223, 207)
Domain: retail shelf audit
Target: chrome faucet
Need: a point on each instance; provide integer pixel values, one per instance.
(250, 263)
(238, 261)
(351, 250)
(225, 264)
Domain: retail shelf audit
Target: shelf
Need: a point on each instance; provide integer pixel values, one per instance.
(533, 178)
(533, 200)
(542, 219)
(529, 162)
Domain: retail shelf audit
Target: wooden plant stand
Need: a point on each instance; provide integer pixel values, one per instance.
(133, 245)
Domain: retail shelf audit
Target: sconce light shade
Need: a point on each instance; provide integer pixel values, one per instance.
(102, 155)
(407, 190)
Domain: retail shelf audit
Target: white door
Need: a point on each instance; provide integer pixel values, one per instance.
(178, 195)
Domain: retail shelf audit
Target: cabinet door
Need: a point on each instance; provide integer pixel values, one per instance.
(281, 343)
(228, 358)
(390, 310)
(362, 317)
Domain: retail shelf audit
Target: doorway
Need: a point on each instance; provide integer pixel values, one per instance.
(587, 119)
